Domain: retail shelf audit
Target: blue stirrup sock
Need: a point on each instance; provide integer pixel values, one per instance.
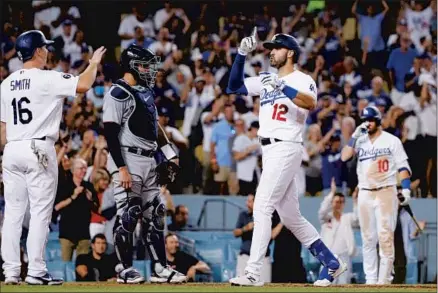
(324, 255)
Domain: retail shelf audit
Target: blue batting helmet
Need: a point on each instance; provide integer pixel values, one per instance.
(283, 41)
(28, 42)
(371, 113)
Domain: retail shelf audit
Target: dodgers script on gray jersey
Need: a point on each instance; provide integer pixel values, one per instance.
(134, 110)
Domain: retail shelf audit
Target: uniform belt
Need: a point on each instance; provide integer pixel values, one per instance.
(141, 152)
(377, 189)
(266, 141)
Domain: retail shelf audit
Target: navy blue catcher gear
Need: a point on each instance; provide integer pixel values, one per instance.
(284, 41)
(28, 42)
(141, 63)
(371, 113)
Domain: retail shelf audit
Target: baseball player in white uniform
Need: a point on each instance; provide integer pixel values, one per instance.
(31, 111)
(285, 100)
(380, 156)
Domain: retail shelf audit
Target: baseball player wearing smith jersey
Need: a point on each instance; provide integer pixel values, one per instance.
(31, 111)
(380, 156)
(285, 100)
(130, 126)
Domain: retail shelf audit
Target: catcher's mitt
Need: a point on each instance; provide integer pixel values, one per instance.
(166, 172)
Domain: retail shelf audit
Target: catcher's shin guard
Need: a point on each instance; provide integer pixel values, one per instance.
(123, 244)
(153, 234)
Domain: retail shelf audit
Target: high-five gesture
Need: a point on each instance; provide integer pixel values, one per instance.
(248, 44)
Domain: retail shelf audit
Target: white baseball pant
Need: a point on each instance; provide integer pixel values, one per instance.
(27, 182)
(277, 191)
(378, 218)
(265, 273)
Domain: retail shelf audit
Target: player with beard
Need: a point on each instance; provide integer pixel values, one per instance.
(380, 157)
(285, 101)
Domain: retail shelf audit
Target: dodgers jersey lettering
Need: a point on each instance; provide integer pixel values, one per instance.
(279, 117)
(31, 102)
(379, 162)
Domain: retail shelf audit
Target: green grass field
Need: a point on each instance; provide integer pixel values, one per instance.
(209, 287)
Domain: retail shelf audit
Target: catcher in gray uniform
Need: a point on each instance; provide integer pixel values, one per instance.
(130, 127)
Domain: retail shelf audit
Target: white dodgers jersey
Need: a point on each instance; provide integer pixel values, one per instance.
(32, 100)
(279, 117)
(378, 162)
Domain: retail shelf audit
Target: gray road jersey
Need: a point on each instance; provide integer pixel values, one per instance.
(134, 110)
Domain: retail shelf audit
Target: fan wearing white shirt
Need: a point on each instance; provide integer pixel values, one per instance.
(337, 228)
(246, 150)
(162, 46)
(136, 19)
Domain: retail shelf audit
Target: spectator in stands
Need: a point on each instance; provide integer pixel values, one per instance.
(377, 93)
(337, 228)
(138, 18)
(332, 166)
(313, 169)
(244, 229)
(325, 114)
(253, 115)
(96, 266)
(246, 150)
(65, 36)
(183, 262)
(209, 118)
(163, 46)
(399, 63)
(140, 39)
(419, 20)
(180, 220)
(371, 33)
(287, 251)
(351, 75)
(101, 181)
(428, 104)
(74, 202)
(220, 152)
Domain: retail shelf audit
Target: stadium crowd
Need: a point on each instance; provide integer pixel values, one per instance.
(366, 53)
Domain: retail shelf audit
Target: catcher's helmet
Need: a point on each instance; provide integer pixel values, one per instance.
(283, 41)
(28, 42)
(371, 113)
(141, 63)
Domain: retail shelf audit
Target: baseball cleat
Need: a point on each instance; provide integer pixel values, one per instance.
(168, 275)
(327, 276)
(47, 279)
(246, 280)
(130, 276)
(12, 281)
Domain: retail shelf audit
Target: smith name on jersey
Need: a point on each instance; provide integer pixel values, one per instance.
(378, 162)
(133, 108)
(31, 102)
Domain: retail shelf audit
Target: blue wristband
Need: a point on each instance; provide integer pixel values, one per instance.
(290, 92)
(352, 142)
(406, 183)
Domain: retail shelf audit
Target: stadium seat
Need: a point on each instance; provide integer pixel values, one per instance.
(56, 268)
(70, 271)
(148, 271)
(53, 236)
(412, 273)
(140, 265)
(212, 252)
(53, 250)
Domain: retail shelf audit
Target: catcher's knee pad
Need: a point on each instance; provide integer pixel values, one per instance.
(157, 214)
(131, 215)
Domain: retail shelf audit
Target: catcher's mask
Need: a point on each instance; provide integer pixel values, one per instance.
(141, 63)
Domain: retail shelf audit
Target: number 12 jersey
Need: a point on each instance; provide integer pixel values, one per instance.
(279, 117)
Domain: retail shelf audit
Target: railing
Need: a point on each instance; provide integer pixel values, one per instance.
(424, 244)
(203, 214)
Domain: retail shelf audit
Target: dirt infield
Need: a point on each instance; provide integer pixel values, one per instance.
(214, 287)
